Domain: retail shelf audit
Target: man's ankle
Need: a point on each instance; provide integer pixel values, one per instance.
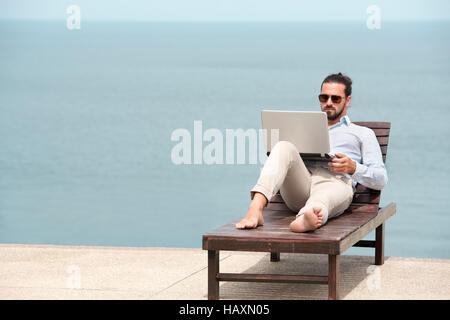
(259, 201)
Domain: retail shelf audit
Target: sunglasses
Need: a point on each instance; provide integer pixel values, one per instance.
(324, 98)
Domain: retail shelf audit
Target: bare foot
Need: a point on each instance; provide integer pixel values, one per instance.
(310, 220)
(252, 219)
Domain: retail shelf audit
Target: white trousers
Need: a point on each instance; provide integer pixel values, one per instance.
(300, 187)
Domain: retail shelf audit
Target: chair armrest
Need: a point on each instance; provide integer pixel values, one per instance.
(388, 210)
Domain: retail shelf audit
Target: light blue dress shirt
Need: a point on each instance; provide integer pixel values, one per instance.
(361, 145)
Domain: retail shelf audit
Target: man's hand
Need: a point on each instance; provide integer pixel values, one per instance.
(342, 164)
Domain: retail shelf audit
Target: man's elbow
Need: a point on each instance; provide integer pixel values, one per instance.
(381, 183)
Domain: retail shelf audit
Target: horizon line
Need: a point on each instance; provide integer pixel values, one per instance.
(221, 21)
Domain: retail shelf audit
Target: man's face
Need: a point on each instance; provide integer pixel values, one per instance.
(334, 109)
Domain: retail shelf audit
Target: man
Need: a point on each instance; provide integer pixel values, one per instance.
(321, 190)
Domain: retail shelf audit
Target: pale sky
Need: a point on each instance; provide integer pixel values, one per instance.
(226, 10)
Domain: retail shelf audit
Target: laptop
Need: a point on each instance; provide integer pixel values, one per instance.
(307, 130)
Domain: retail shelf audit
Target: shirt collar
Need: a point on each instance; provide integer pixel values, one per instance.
(344, 120)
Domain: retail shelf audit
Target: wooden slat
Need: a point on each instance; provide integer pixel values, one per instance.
(280, 278)
(381, 132)
(281, 207)
(366, 198)
(363, 189)
(374, 124)
(277, 206)
(383, 141)
(365, 243)
(268, 244)
(359, 189)
(359, 197)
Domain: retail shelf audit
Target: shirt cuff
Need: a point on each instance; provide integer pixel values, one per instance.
(358, 170)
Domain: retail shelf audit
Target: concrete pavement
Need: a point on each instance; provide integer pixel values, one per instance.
(69, 272)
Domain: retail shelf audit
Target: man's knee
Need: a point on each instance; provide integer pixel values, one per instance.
(284, 152)
(285, 147)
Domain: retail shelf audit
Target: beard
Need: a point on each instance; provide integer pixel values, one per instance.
(331, 112)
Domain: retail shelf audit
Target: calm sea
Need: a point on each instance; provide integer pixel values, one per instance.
(86, 118)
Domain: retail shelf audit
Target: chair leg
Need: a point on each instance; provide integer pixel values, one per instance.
(379, 245)
(213, 270)
(274, 256)
(333, 277)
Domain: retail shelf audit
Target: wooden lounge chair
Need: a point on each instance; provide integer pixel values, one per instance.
(337, 235)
